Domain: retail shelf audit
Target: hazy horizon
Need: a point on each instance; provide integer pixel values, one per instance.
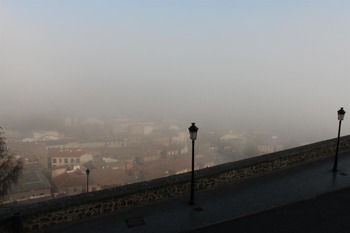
(267, 64)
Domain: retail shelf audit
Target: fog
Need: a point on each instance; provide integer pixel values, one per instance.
(264, 65)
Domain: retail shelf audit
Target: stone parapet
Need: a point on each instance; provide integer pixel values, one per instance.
(42, 214)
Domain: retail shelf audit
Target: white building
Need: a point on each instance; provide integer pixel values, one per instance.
(70, 158)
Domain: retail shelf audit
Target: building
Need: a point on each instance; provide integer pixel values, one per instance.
(70, 182)
(46, 136)
(166, 167)
(108, 178)
(69, 158)
(270, 145)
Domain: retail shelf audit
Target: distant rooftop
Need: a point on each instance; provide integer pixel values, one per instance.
(68, 153)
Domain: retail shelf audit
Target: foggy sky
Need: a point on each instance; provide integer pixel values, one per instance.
(281, 64)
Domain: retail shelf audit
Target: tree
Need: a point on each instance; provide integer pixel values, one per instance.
(10, 167)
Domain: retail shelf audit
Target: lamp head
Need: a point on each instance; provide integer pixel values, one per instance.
(193, 131)
(341, 114)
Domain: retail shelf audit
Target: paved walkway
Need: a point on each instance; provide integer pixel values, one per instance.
(218, 205)
(326, 213)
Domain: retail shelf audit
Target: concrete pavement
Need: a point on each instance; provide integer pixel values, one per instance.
(220, 205)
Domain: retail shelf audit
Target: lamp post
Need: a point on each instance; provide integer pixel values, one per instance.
(341, 114)
(193, 136)
(87, 179)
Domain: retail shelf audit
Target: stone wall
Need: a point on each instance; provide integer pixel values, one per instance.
(39, 215)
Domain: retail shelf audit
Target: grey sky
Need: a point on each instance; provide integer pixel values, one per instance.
(256, 63)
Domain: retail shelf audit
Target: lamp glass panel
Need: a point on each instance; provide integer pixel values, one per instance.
(341, 114)
(193, 135)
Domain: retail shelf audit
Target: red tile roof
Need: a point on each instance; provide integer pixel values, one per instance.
(109, 177)
(72, 179)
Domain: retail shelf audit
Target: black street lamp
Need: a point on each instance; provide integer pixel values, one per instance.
(341, 114)
(193, 136)
(87, 179)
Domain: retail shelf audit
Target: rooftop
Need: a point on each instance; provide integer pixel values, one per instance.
(109, 177)
(68, 153)
(69, 179)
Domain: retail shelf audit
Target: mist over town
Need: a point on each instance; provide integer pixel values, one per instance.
(113, 86)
